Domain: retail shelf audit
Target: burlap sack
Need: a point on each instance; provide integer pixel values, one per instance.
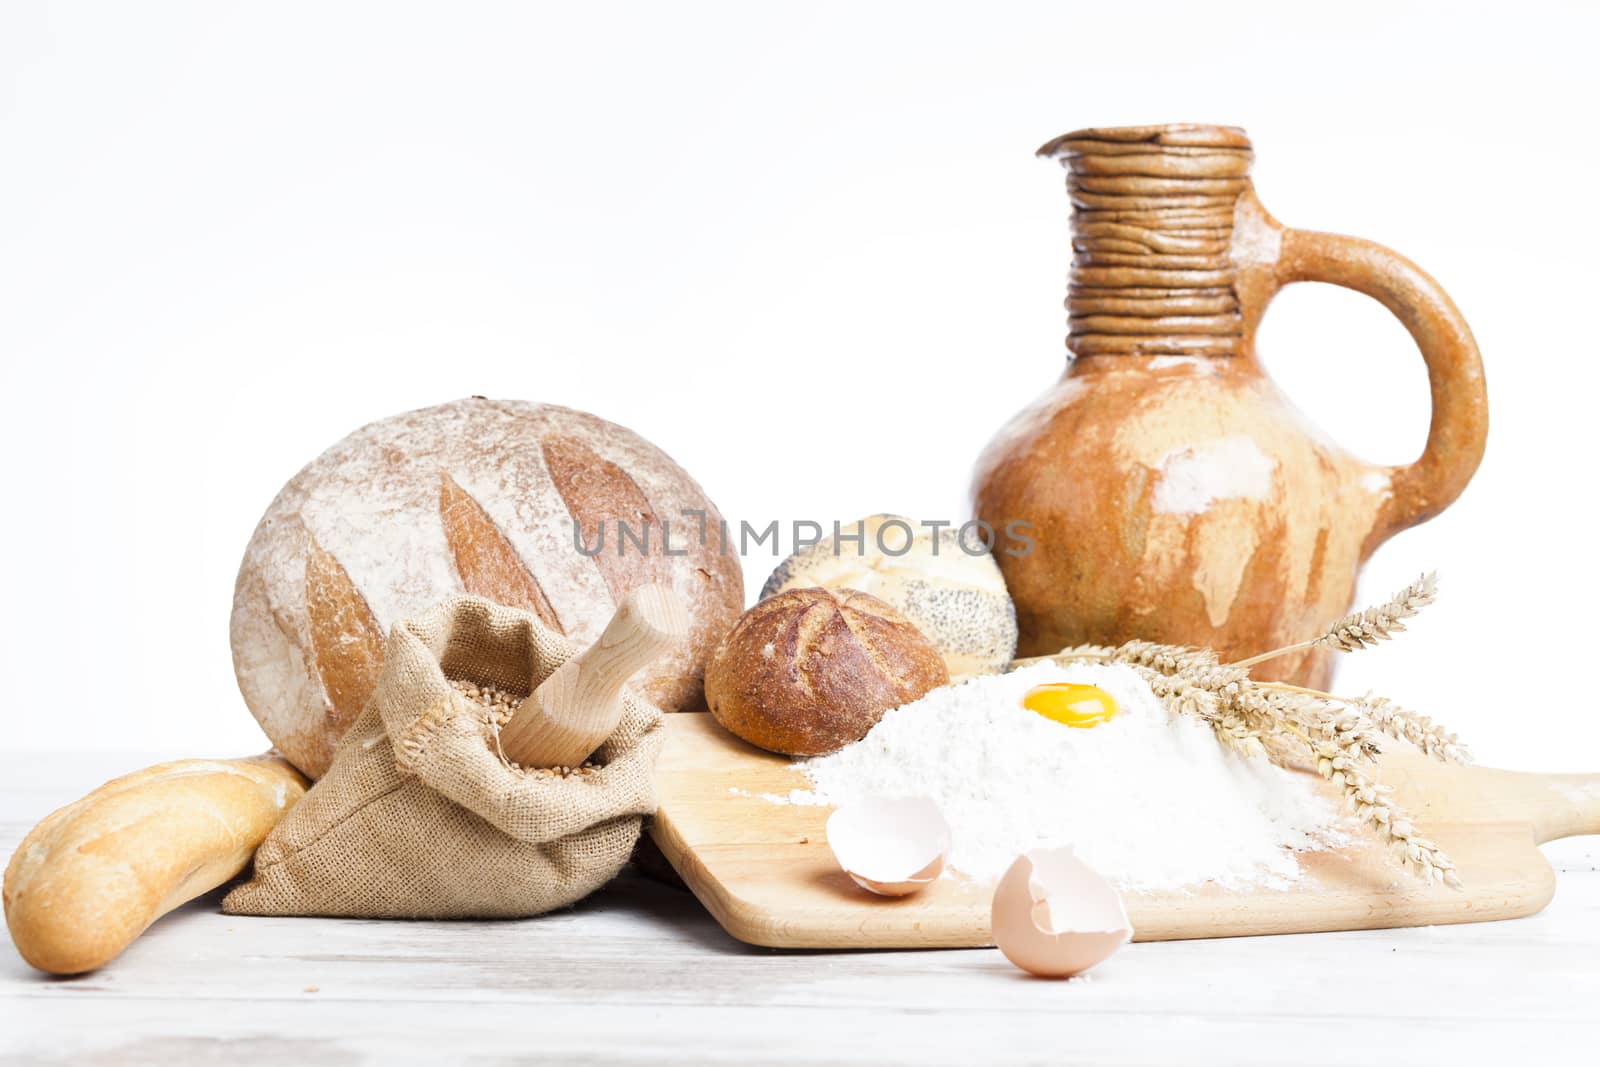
(420, 817)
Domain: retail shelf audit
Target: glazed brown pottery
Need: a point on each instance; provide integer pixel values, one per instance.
(1174, 494)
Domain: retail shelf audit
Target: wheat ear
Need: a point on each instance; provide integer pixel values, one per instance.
(1364, 629)
(1419, 730)
(1409, 726)
(1231, 727)
(1372, 805)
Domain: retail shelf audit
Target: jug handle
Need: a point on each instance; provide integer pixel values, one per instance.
(1460, 421)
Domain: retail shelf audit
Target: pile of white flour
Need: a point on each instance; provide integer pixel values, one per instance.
(1149, 799)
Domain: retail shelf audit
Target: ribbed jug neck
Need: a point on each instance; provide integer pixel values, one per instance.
(1152, 229)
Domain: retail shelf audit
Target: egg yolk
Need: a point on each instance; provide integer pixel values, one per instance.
(1071, 704)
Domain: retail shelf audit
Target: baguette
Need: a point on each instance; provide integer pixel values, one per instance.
(92, 876)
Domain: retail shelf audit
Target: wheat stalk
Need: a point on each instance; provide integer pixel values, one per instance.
(1419, 730)
(1229, 725)
(1364, 629)
(1372, 805)
(1075, 654)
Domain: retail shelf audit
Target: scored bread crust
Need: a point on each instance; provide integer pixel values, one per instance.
(808, 671)
(476, 496)
(956, 598)
(93, 875)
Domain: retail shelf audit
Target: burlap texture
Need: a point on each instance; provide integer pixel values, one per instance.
(420, 817)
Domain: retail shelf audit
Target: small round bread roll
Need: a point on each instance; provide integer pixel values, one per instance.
(952, 590)
(808, 671)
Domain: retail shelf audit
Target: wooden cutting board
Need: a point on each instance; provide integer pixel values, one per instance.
(765, 870)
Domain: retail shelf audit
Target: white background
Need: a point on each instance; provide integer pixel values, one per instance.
(804, 248)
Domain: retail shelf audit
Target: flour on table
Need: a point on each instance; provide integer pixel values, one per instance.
(1150, 799)
(802, 797)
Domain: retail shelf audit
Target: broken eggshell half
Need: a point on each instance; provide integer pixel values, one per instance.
(892, 846)
(1055, 916)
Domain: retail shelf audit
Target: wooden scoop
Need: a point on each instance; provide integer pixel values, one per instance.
(580, 704)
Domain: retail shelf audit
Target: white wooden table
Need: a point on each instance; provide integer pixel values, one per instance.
(639, 973)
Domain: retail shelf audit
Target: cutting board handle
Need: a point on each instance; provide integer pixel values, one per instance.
(1567, 805)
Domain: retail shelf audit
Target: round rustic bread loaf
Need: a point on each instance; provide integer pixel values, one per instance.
(810, 670)
(957, 598)
(477, 496)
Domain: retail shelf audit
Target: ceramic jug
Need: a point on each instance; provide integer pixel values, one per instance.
(1171, 491)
